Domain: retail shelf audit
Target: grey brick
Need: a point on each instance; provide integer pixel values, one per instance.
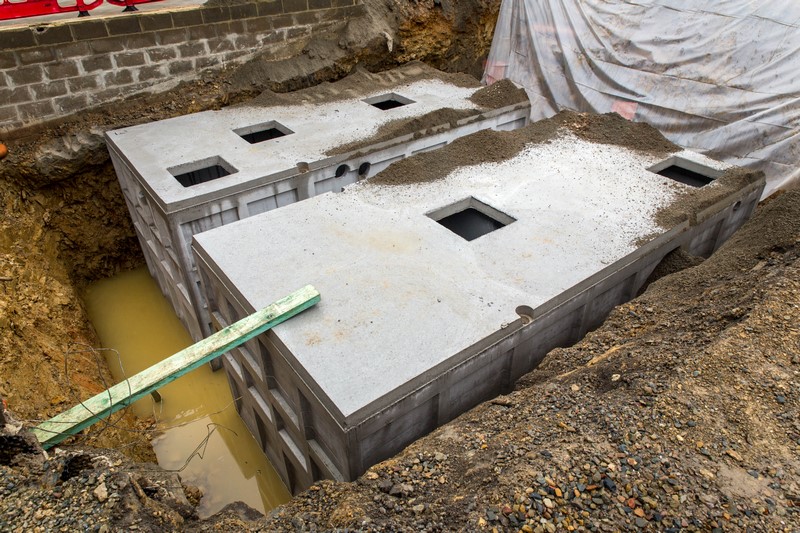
(15, 39)
(293, 6)
(221, 46)
(36, 110)
(70, 50)
(118, 77)
(157, 55)
(15, 95)
(203, 32)
(25, 75)
(180, 67)
(107, 45)
(8, 59)
(60, 70)
(156, 21)
(207, 62)
(183, 19)
(53, 34)
(272, 7)
(151, 72)
(49, 89)
(191, 49)
(243, 11)
(31, 56)
(237, 26)
(129, 59)
(137, 41)
(305, 19)
(8, 115)
(215, 14)
(283, 21)
(71, 104)
(89, 29)
(175, 36)
(106, 95)
(123, 25)
(93, 64)
(245, 42)
(258, 25)
(84, 83)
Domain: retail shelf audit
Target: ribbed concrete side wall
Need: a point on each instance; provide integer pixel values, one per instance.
(305, 441)
(48, 71)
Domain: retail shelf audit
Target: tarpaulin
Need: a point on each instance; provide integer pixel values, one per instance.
(720, 78)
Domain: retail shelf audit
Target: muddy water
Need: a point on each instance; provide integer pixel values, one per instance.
(197, 415)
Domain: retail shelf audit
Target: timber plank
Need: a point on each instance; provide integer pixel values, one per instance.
(103, 405)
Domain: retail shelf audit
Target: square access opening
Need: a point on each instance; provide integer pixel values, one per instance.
(470, 218)
(685, 171)
(388, 101)
(266, 131)
(198, 172)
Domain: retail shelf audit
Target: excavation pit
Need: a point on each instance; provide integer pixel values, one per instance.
(189, 174)
(417, 323)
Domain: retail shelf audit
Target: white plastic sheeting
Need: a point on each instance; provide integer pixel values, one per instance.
(720, 78)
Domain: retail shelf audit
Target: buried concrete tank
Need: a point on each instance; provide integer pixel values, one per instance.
(442, 284)
(185, 175)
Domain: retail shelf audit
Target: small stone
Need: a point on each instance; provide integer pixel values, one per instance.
(781, 399)
(438, 456)
(639, 512)
(641, 522)
(548, 503)
(418, 508)
(101, 492)
(575, 387)
(734, 454)
(615, 377)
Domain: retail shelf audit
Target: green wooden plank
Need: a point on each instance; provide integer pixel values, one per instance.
(103, 405)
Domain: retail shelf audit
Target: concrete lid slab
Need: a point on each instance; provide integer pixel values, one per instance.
(152, 149)
(401, 293)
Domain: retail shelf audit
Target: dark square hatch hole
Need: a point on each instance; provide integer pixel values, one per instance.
(471, 218)
(685, 176)
(201, 171)
(260, 133)
(385, 102)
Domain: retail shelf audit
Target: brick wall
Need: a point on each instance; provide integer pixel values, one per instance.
(53, 70)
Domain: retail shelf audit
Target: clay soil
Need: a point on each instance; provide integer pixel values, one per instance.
(64, 224)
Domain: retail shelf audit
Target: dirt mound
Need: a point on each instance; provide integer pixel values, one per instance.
(489, 146)
(500, 94)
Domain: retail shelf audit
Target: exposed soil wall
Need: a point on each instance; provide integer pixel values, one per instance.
(63, 219)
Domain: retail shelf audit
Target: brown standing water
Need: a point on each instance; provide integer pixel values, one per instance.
(131, 316)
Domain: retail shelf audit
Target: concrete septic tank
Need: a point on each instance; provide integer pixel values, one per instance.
(441, 286)
(185, 175)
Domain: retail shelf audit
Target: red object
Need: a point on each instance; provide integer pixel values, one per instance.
(129, 5)
(34, 8)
